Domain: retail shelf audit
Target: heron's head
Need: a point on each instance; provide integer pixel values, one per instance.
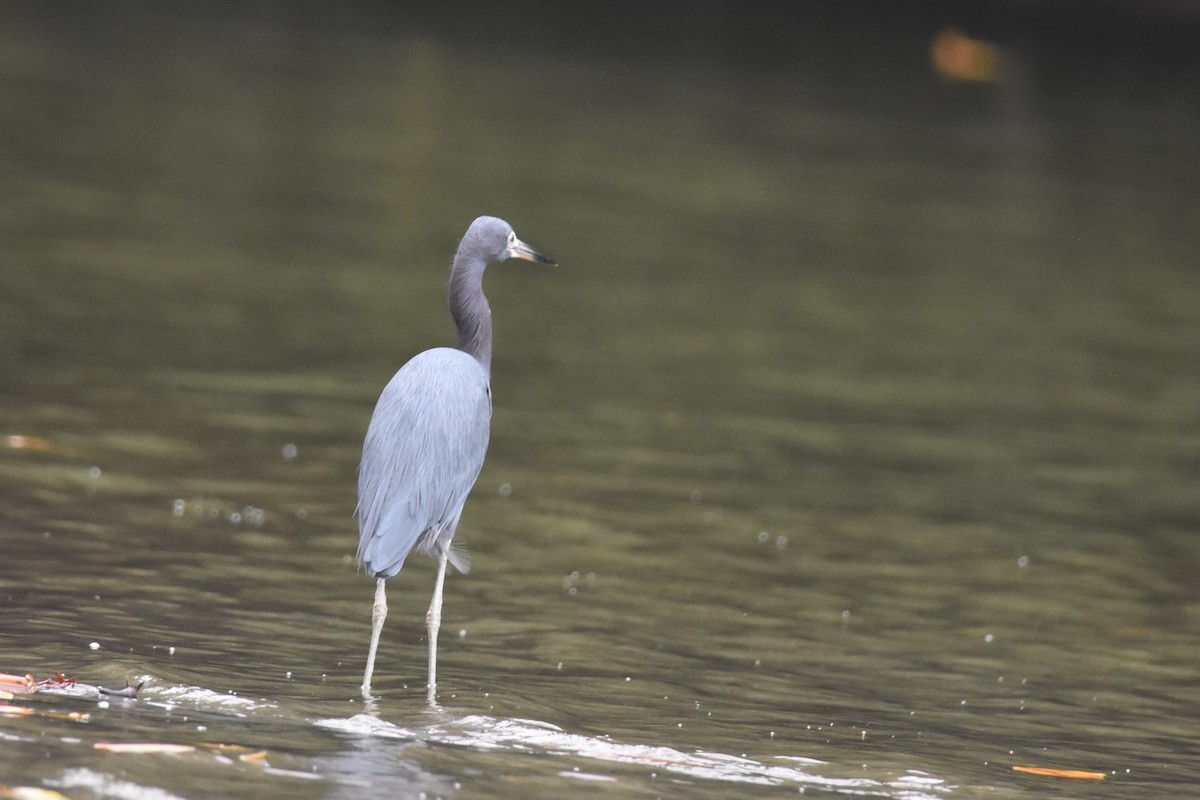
(493, 239)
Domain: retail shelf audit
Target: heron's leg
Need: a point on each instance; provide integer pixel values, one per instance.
(433, 620)
(378, 615)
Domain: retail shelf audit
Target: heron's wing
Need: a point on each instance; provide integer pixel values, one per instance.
(424, 449)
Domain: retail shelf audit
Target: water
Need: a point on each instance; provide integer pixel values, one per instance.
(852, 449)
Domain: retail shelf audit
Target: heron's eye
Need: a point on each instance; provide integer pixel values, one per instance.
(512, 238)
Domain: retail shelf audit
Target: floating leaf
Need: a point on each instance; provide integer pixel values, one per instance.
(16, 683)
(7, 710)
(30, 793)
(18, 442)
(1049, 772)
(244, 752)
(143, 747)
(15, 711)
(958, 57)
(225, 748)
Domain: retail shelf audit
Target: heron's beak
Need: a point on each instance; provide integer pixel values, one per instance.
(521, 250)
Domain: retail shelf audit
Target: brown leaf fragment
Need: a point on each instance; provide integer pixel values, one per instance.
(59, 681)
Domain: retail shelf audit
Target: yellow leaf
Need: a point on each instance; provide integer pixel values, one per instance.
(143, 747)
(1049, 772)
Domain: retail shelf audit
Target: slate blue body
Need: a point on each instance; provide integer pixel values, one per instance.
(424, 449)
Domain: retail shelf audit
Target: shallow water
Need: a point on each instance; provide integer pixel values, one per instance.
(852, 449)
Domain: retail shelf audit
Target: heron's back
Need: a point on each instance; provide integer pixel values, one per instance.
(423, 451)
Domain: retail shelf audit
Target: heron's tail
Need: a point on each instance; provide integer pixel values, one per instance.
(459, 558)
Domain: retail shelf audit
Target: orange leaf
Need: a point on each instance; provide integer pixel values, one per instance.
(15, 711)
(16, 683)
(18, 442)
(1061, 773)
(959, 57)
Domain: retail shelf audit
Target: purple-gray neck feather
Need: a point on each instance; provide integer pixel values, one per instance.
(470, 309)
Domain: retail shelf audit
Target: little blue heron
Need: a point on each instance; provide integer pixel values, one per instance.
(428, 436)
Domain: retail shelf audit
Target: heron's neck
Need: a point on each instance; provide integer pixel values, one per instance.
(470, 310)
